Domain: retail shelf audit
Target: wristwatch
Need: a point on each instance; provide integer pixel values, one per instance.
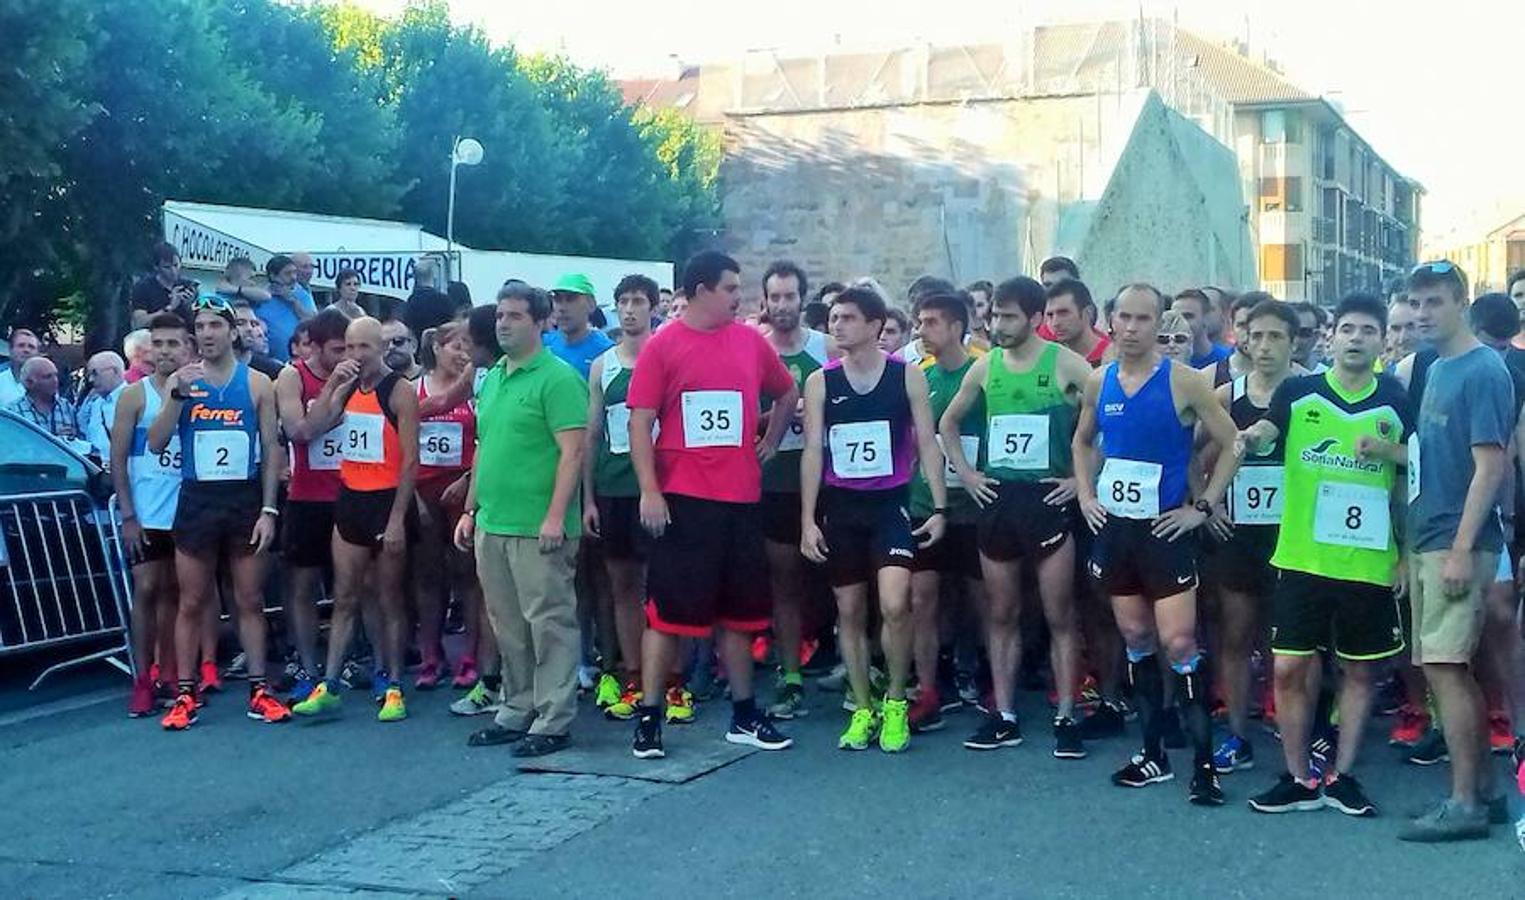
(1203, 506)
(176, 394)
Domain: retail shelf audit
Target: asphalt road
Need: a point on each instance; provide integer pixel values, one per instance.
(96, 804)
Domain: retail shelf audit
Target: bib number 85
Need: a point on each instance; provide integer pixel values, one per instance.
(1127, 492)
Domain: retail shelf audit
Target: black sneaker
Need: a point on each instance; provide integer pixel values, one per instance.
(1344, 793)
(1322, 750)
(1171, 733)
(758, 733)
(1287, 795)
(648, 738)
(1067, 741)
(1142, 771)
(1205, 790)
(542, 744)
(1106, 722)
(995, 733)
(968, 691)
(1430, 750)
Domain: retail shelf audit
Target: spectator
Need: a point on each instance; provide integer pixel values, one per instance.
(664, 302)
(347, 294)
(574, 340)
(1196, 307)
(284, 309)
(302, 285)
(400, 349)
(1057, 268)
(896, 330)
(237, 281)
(428, 306)
(164, 290)
(1515, 288)
(41, 404)
(137, 349)
(826, 295)
(816, 313)
(253, 344)
(460, 298)
(105, 372)
(980, 293)
(24, 346)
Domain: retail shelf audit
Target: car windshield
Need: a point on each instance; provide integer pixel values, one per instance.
(32, 462)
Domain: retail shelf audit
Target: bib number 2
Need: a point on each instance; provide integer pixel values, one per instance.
(222, 456)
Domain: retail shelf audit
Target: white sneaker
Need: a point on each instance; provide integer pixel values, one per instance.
(587, 677)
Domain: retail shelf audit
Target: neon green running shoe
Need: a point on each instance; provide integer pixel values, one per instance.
(608, 692)
(321, 700)
(895, 730)
(393, 709)
(860, 730)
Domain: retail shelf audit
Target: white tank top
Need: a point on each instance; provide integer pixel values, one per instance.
(153, 477)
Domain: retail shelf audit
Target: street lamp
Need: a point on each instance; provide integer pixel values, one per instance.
(463, 152)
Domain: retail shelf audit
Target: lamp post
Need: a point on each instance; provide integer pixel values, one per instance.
(463, 152)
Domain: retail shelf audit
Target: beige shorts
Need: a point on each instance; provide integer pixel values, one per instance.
(1447, 628)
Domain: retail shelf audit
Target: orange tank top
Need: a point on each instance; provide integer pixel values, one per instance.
(372, 452)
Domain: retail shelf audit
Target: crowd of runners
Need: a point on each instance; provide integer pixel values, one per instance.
(1193, 510)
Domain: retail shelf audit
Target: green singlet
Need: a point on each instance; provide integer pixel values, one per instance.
(781, 474)
(613, 473)
(941, 386)
(1029, 421)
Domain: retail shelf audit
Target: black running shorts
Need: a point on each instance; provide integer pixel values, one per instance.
(708, 568)
(865, 531)
(1359, 621)
(1019, 525)
(360, 517)
(956, 555)
(781, 517)
(619, 528)
(1243, 562)
(213, 516)
(1129, 560)
(307, 530)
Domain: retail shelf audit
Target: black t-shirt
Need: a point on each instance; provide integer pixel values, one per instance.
(265, 363)
(426, 308)
(151, 296)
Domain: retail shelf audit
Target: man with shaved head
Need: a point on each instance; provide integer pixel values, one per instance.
(106, 373)
(40, 402)
(373, 516)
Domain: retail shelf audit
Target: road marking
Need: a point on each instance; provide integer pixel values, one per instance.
(58, 707)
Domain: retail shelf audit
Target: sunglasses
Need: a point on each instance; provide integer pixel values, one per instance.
(1438, 267)
(1165, 340)
(212, 302)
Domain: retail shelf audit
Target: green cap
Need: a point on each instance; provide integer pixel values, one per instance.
(573, 283)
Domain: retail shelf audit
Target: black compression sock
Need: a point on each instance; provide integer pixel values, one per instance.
(650, 713)
(1191, 690)
(492, 683)
(255, 685)
(1149, 696)
(186, 686)
(744, 710)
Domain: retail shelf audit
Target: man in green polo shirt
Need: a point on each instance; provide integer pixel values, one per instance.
(522, 514)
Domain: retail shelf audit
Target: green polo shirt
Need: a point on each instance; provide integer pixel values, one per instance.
(518, 415)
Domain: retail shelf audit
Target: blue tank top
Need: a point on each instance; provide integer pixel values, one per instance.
(154, 478)
(1147, 448)
(219, 431)
(870, 438)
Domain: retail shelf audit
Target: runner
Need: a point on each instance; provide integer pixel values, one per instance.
(980, 293)
(1246, 529)
(611, 498)
(373, 516)
(147, 489)
(1026, 489)
(803, 352)
(1068, 313)
(702, 378)
(1341, 439)
(942, 320)
(307, 398)
(870, 413)
(224, 416)
(1144, 407)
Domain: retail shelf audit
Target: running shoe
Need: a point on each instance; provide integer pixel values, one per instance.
(153, 672)
(790, 702)
(968, 690)
(1090, 693)
(895, 727)
(238, 669)
(994, 733)
(210, 682)
(1500, 733)
(680, 706)
(587, 676)
(428, 677)
(141, 703)
(1106, 722)
(860, 730)
(1288, 795)
(1219, 710)
(758, 733)
(624, 709)
(353, 676)
(1205, 789)
(1322, 750)
(1142, 771)
(1411, 724)
(1067, 740)
(393, 709)
(164, 694)
(1343, 792)
(301, 686)
(608, 691)
(927, 712)
(808, 648)
(1448, 821)
(264, 707)
(835, 680)
(466, 673)
(761, 647)
(1233, 755)
(181, 715)
(1430, 750)
(380, 681)
(476, 701)
(322, 700)
(648, 740)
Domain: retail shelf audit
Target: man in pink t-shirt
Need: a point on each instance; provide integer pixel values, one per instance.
(702, 379)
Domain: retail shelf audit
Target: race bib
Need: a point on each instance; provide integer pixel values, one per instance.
(1352, 515)
(861, 450)
(794, 436)
(221, 456)
(712, 418)
(324, 453)
(617, 424)
(1255, 496)
(1413, 467)
(1019, 441)
(971, 447)
(439, 444)
(362, 437)
(1130, 489)
(165, 463)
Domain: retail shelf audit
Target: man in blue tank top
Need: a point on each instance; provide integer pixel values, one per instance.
(1143, 408)
(224, 416)
(868, 420)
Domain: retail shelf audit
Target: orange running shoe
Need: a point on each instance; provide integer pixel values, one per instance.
(1500, 733)
(760, 647)
(264, 707)
(1412, 722)
(210, 681)
(180, 716)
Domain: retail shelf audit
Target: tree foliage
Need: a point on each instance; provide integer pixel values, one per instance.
(109, 109)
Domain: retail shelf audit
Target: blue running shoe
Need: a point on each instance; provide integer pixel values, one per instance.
(302, 686)
(1234, 754)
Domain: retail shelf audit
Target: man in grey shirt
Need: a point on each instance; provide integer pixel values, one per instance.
(1456, 463)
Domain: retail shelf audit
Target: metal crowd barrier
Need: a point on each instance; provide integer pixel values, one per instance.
(63, 578)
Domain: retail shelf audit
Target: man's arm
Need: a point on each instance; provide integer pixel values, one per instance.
(405, 406)
(1220, 429)
(594, 433)
(127, 409)
(949, 427)
(1083, 454)
(454, 394)
(1488, 462)
(812, 542)
(568, 471)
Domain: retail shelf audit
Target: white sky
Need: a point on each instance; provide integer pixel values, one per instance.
(1436, 88)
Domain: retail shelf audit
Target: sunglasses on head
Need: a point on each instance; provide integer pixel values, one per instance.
(1438, 267)
(212, 302)
(1167, 339)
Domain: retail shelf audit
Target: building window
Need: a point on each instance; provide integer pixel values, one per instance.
(1281, 262)
(1273, 126)
(1281, 194)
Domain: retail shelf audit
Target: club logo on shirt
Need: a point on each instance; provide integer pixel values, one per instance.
(200, 412)
(1321, 454)
(1384, 428)
(1043, 381)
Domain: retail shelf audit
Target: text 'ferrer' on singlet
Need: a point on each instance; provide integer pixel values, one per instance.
(781, 474)
(870, 438)
(219, 430)
(372, 450)
(154, 478)
(1028, 421)
(1147, 448)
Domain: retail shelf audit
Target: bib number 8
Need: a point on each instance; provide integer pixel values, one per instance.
(1353, 518)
